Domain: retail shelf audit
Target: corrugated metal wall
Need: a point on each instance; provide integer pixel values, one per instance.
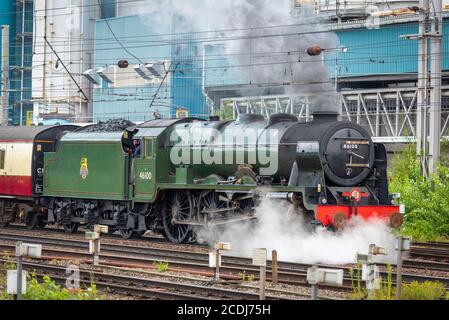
(369, 52)
(381, 51)
(376, 51)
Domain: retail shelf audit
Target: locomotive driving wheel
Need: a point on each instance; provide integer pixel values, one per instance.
(178, 206)
(210, 204)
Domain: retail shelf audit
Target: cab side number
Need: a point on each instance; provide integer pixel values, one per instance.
(145, 175)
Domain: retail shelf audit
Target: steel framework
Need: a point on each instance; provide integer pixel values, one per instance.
(388, 114)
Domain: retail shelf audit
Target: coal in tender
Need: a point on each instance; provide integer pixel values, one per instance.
(113, 125)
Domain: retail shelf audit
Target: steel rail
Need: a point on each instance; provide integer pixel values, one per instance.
(148, 286)
(292, 273)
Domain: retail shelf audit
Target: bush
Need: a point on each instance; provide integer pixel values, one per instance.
(426, 201)
(49, 290)
(226, 111)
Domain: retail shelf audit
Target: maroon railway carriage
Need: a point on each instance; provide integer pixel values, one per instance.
(21, 169)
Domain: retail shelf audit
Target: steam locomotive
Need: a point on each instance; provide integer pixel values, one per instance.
(176, 176)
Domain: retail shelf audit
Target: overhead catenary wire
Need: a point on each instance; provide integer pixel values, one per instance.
(116, 39)
(235, 66)
(68, 71)
(162, 82)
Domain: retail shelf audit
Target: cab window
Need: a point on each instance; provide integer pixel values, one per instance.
(148, 148)
(136, 148)
(2, 159)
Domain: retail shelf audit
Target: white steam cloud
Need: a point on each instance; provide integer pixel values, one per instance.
(262, 37)
(278, 229)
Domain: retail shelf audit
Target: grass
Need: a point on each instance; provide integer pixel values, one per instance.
(161, 266)
(428, 290)
(245, 277)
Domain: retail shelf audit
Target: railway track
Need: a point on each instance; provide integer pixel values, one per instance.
(151, 288)
(433, 251)
(438, 251)
(139, 258)
(145, 258)
(132, 256)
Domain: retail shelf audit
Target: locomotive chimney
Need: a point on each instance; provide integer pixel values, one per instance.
(325, 116)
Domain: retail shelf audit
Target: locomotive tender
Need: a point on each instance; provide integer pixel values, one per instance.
(192, 173)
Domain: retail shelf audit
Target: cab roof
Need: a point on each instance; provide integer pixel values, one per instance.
(156, 127)
(27, 133)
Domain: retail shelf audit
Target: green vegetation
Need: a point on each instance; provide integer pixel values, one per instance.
(47, 289)
(245, 277)
(426, 202)
(161, 266)
(225, 112)
(428, 290)
(445, 153)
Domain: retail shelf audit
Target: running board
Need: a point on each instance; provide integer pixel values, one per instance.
(216, 222)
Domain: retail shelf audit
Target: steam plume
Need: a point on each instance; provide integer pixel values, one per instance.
(286, 233)
(264, 34)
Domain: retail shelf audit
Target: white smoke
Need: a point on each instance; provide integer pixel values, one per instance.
(262, 37)
(281, 230)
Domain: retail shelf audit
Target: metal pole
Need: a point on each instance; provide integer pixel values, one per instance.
(19, 272)
(435, 84)
(423, 86)
(369, 280)
(96, 252)
(314, 291)
(274, 266)
(5, 76)
(399, 269)
(217, 265)
(262, 283)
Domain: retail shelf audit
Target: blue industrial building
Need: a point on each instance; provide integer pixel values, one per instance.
(370, 53)
(134, 98)
(18, 15)
(373, 58)
(382, 51)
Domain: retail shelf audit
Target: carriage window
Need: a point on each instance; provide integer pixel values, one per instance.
(148, 148)
(2, 159)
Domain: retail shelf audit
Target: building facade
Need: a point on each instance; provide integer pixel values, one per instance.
(123, 92)
(63, 50)
(16, 19)
(63, 64)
